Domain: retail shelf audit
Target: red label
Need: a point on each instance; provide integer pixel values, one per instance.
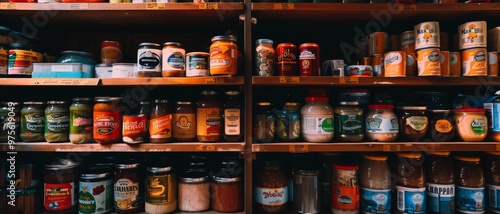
(58, 196)
(345, 197)
(107, 125)
(134, 125)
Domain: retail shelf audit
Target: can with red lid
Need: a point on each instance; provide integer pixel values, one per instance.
(110, 52)
(309, 59)
(287, 59)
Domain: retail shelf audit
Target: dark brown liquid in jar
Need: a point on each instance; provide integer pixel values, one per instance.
(184, 121)
(232, 117)
(270, 188)
(160, 122)
(441, 128)
(440, 183)
(60, 187)
(209, 117)
(470, 194)
(410, 183)
(413, 122)
(128, 191)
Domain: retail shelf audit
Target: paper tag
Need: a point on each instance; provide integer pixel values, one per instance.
(215, 80)
(62, 81)
(155, 6)
(78, 6)
(284, 6)
(8, 5)
(403, 7)
(348, 80)
(289, 79)
(205, 148)
(298, 148)
(208, 6)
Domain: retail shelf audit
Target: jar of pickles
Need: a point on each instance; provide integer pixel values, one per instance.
(80, 120)
(471, 123)
(107, 120)
(32, 122)
(56, 122)
(287, 125)
(263, 122)
(10, 120)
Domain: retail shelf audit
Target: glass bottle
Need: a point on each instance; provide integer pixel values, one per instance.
(160, 123)
(208, 117)
(232, 117)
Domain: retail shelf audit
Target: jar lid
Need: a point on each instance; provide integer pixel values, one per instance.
(127, 164)
(33, 103)
(23, 46)
(81, 99)
(316, 99)
(152, 45)
(155, 169)
(469, 110)
(380, 106)
(52, 102)
(440, 153)
(107, 99)
(413, 108)
(344, 167)
(409, 155)
(110, 44)
(225, 180)
(224, 38)
(160, 101)
(209, 92)
(467, 159)
(350, 103)
(292, 104)
(172, 44)
(60, 163)
(264, 41)
(263, 103)
(95, 173)
(78, 53)
(303, 45)
(310, 172)
(197, 53)
(184, 103)
(193, 177)
(440, 111)
(232, 93)
(375, 157)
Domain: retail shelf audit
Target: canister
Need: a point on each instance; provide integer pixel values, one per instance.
(493, 63)
(123, 70)
(428, 63)
(408, 42)
(265, 57)
(95, 191)
(472, 35)
(378, 65)
(21, 58)
(411, 65)
(377, 43)
(287, 59)
(309, 59)
(427, 35)
(395, 64)
(455, 64)
(223, 55)
(306, 192)
(359, 71)
(110, 52)
(149, 60)
(197, 64)
(173, 60)
(103, 71)
(444, 58)
(474, 62)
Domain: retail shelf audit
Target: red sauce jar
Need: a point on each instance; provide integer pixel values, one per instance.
(287, 59)
(107, 120)
(309, 59)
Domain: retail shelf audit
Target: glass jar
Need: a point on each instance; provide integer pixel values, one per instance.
(491, 167)
(349, 122)
(80, 121)
(194, 192)
(410, 194)
(32, 122)
(107, 120)
(223, 55)
(345, 190)
(149, 60)
(470, 185)
(306, 191)
(161, 186)
(375, 184)
(270, 188)
(10, 120)
(287, 125)
(317, 125)
(160, 122)
(381, 123)
(173, 60)
(95, 191)
(60, 182)
(110, 52)
(471, 124)
(184, 121)
(232, 115)
(209, 117)
(265, 57)
(56, 122)
(440, 183)
(442, 128)
(128, 191)
(413, 123)
(263, 122)
(227, 194)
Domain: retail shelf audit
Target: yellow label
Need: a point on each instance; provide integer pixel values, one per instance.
(298, 148)
(215, 80)
(443, 126)
(348, 80)
(289, 79)
(7, 6)
(208, 6)
(208, 121)
(155, 6)
(417, 123)
(284, 6)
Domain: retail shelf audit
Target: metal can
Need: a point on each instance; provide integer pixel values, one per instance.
(428, 63)
(265, 57)
(345, 189)
(378, 65)
(377, 43)
(474, 62)
(110, 52)
(80, 120)
(173, 60)
(306, 193)
(21, 58)
(223, 56)
(197, 64)
(149, 60)
(427, 35)
(493, 63)
(408, 42)
(95, 191)
(472, 35)
(455, 64)
(444, 58)
(123, 70)
(359, 71)
(309, 59)
(411, 65)
(395, 64)
(333, 67)
(287, 59)
(134, 128)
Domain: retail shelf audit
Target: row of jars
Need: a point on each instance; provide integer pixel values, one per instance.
(382, 183)
(208, 120)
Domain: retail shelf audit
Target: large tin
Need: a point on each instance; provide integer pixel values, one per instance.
(309, 59)
(472, 35)
(377, 43)
(197, 64)
(427, 35)
(475, 62)
(428, 63)
(287, 59)
(395, 64)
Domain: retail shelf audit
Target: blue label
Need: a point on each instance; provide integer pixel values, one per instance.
(494, 197)
(411, 200)
(470, 200)
(375, 201)
(441, 198)
(271, 196)
(176, 60)
(493, 113)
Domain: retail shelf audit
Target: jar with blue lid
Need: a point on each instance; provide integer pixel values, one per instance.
(265, 57)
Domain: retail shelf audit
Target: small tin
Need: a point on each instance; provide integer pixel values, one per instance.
(455, 64)
(378, 65)
(428, 63)
(134, 128)
(110, 52)
(123, 70)
(395, 64)
(173, 60)
(474, 62)
(492, 63)
(309, 59)
(287, 59)
(149, 60)
(408, 42)
(444, 57)
(197, 64)
(333, 67)
(103, 71)
(472, 35)
(377, 43)
(427, 35)
(95, 191)
(359, 71)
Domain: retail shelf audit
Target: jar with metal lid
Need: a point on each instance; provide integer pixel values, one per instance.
(194, 192)
(317, 123)
(350, 122)
(270, 188)
(60, 186)
(161, 186)
(223, 55)
(470, 185)
(306, 191)
(232, 115)
(173, 60)
(227, 194)
(160, 122)
(263, 122)
(381, 123)
(110, 52)
(10, 120)
(287, 125)
(413, 122)
(80, 120)
(128, 189)
(149, 60)
(21, 58)
(209, 117)
(184, 121)
(442, 126)
(265, 57)
(95, 191)
(471, 123)
(56, 122)
(107, 120)
(345, 189)
(32, 121)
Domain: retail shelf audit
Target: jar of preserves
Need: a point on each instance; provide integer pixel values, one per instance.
(209, 117)
(184, 120)
(160, 122)
(381, 123)
(375, 184)
(410, 193)
(80, 120)
(149, 60)
(306, 191)
(349, 120)
(413, 123)
(128, 190)
(286, 54)
(271, 188)
(263, 122)
(287, 125)
(232, 115)
(317, 125)
(440, 183)
(110, 52)
(492, 174)
(10, 120)
(227, 194)
(470, 184)
(471, 124)
(134, 128)
(161, 186)
(265, 57)
(95, 191)
(194, 192)
(107, 120)
(173, 60)
(56, 122)
(442, 128)
(223, 55)
(345, 190)
(32, 122)
(60, 186)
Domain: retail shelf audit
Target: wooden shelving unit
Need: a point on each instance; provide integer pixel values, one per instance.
(177, 81)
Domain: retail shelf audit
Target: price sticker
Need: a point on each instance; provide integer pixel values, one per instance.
(208, 6)
(498, 147)
(215, 80)
(289, 79)
(62, 81)
(78, 6)
(298, 148)
(284, 6)
(391, 148)
(205, 148)
(8, 5)
(348, 80)
(155, 6)
(407, 7)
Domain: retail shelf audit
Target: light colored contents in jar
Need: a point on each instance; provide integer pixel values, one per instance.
(317, 120)
(471, 124)
(194, 197)
(381, 123)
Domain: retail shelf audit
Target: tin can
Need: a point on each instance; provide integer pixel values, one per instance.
(4, 57)
(493, 63)
(21, 58)
(305, 191)
(455, 64)
(494, 39)
(427, 35)
(394, 41)
(287, 59)
(110, 52)
(123, 70)
(265, 57)
(149, 60)
(173, 59)
(103, 71)
(378, 65)
(428, 63)
(223, 55)
(95, 191)
(359, 71)
(408, 42)
(367, 60)
(333, 67)
(474, 62)
(395, 64)
(444, 58)
(309, 59)
(377, 43)
(197, 64)
(472, 35)
(134, 128)
(443, 41)
(411, 65)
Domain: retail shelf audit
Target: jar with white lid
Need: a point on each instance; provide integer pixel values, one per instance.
(381, 123)
(317, 120)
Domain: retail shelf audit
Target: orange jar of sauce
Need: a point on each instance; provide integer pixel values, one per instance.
(107, 120)
(223, 56)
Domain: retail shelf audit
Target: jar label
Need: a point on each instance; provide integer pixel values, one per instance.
(80, 122)
(494, 197)
(375, 201)
(209, 121)
(349, 124)
(232, 117)
(184, 126)
(149, 60)
(376, 124)
(441, 198)
(319, 124)
(271, 196)
(263, 128)
(107, 125)
(33, 123)
(59, 196)
(345, 197)
(478, 125)
(126, 194)
(287, 125)
(57, 122)
(223, 60)
(417, 123)
(110, 54)
(160, 189)
(493, 113)
(175, 61)
(470, 200)
(134, 128)
(161, 127)
(265, 61)
(411, 200)
(95, 197)
(443, 126)
(287, 55)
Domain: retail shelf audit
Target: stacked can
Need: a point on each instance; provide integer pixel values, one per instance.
(427, 46)
(407, 42)
(392, 63)
(472, 43)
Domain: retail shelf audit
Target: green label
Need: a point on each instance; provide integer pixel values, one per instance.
(327, 124)
(350, 124)
(478, 125)
(160, 189)
(95, 197)
(57, 122)
(86, 202)
(33, 122)
(80, 122)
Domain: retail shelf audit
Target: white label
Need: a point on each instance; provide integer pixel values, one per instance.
(318, 124)
(62, 68)
(377, 124)
(271, 196)
(440, 198)
(494, 194)
(232, 119)
(411, 200)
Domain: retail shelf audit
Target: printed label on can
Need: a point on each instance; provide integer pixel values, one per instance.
(472, 35)
(494, 197)
(20, 61)
(411, 200)
(59, 196)
(474, 62)
(470, 200)
(161, 127)
(197, 65)
(126, 194)
(209, 121)
(160, 189)
(271, 196)
(493, 113)
(441, 198)
(149, 60)
(134, 128)
(95, 197)
(287, 60)
(309, 60)
(428, 62)
(106, 125)
(345, 197)
(408, 42)
(375, 201)
(349, 124)
(395, 64)
(184, 126)
(232, 119)
(377, 124)
(318, 124)
(427, 35)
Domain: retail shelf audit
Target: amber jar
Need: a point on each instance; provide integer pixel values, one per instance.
(413, 123)
(408, 171)
(227, 194)
(271, 188)
(184, 121)
(160, 122)
(208, 117)
(442, 128)
(491, 165)
(128, 197)
(60, 186)
(440, 183)
(107, 120)
(470, 185)
(223, 55)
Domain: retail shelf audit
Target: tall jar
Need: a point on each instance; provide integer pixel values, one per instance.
(472, 124)
(410, 195)
(263, 122)
(470, 185)
(80, 120)
(232, 115)
(349, 122)
(265, 57)
(160, 122)
(270, 188)
(492, 174)
(60, 186)
(440, 182)
(56, 122)
(184, 121)
(107, 120)
(317, 125)
(10, 120)
(128, 187)
(442, 126)
(209, 117)
(345, 190)
(194, 192)
(375, 184)
(381, 123)
(223, 55)
(161, 186)
(32, 122)
(227, 194)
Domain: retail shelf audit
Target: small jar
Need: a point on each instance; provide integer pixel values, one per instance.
(80, 121)
(161, 186)
(128, 189)
(10, 120)
(472, 124)
(345, 189)
(110, 52)
(160, 122)
(223, 56)
(442, 128)
(349, 122)
(381, 123)
(184, 121)
(60, 186)
(263, 122)
(413, 123)
(209, 117)
(227, 194)
(270, 188)
(56, 122)
(107, 120)
(32, 122)
(149, 60)
(287, 126)
(173, 60)
(95, 191)
(265, 57)
(317, 120)
(194, 192)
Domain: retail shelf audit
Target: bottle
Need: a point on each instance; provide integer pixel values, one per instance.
(375, 185)
(271, 188)
(492, 174)
(469, 185)
(232, 117)
(410, 187)
(345, 189)
(440, 183)
(208, 117)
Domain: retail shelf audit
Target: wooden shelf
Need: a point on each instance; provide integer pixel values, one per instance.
(302, 147)
(122, 147)
(122, 81)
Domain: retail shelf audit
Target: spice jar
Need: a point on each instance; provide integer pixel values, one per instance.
(471, 124)
(184, 121)
(227, 194)
(317, 120)
(56, 122)
(80, 120)
(128, 191)
(149, 60)
(381, 123)
(287, 125)
(95, 191)
(60, 182)
(194, 192)
(413, 122)
(173, 60)
(161, 186)
(263, 122)
(32, 122)
(27, 201)
(345, 190)
(265, 57)
(10, 120)
(271, 188)
(223, 55)
(306, 193)
(349, 122)
(442, 128)
(107, 120)
(209, 117)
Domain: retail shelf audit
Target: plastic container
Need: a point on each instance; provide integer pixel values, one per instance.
(472, 124)
(317, 125)
(375, 184)
(381, 123)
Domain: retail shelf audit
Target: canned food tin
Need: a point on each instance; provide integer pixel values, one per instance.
(472, 35)
(493, 63)
(110, 52)
(474, 62)
(427, 35)
(378, 65)
(411, 65)
(395, 64)
(223, 56)
(377, 43)
(444, 58)
(123, 70)
(455, 64)
(149, 60)
(309, 59)
(428, 63)
(22, 57)
(408, 42)
(134, 128)
(103, 71)
(4, 56)
(197, 64)
(287, 59)
(359, 71)
(173, 56)
(95, 191)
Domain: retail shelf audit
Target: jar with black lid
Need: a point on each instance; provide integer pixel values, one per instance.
(161, 186)
(10, 120)
(442, 127)
(160, 122)
(32, 122)
(96, 191)
(263, 122)
(413, 122)
(128, 191)
(232, 117)
(209, 117)
(184, 121)
(60, 182)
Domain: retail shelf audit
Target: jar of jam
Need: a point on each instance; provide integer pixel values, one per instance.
(263, 122)
(227, 194)
(184, 121)
(56, 122)
(173, 60)
(471, 123)
(60, 186)
(161, 186)
(80, 120)
(442, 127)
(160, 122)
(223, 55)
(232, 115)
(149, 60)
(209, 117)
(287, 125)
(10, 120)
(271, 188)
(381, 123)
(128, 191)
(287, 59)
(349, 122)
(107, 120)
(32, 122)
(265, 57)
(413, 122)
